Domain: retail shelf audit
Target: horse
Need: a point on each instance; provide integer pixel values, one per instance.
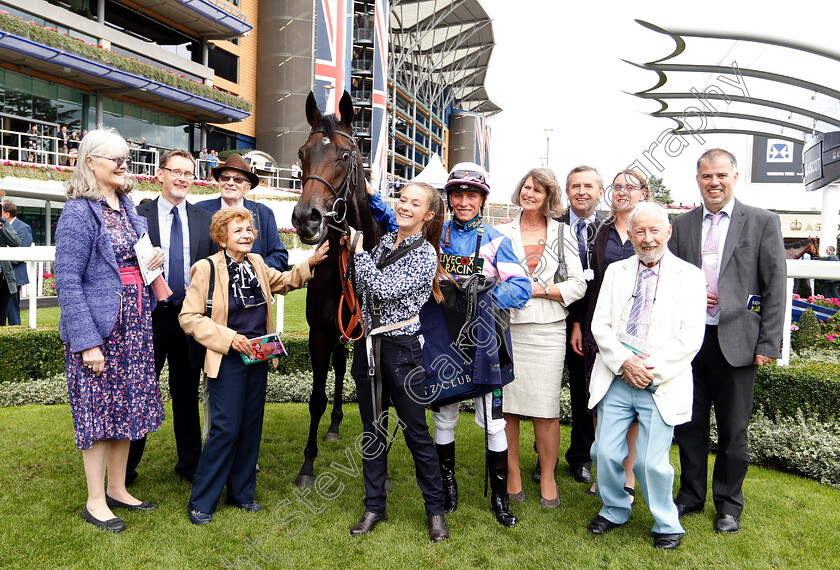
(333, 196)
(797, 249)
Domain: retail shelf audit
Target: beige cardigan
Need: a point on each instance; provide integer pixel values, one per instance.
(214, 334)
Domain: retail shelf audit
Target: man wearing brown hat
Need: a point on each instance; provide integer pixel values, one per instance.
(235, 179)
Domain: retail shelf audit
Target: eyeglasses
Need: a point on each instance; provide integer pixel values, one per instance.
(461, 174)
(627, 187)
(118, 160)
(178, 173)
(228, 177)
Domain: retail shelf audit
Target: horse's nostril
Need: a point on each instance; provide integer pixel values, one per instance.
(314, 216)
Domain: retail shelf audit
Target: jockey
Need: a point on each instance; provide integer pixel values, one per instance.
(466, 194)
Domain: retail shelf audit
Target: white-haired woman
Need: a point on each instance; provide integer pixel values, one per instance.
(106, 323)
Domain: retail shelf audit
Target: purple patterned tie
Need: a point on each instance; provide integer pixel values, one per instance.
(710, 259)
(634, 326)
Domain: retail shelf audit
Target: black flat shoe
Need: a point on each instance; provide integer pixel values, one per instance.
(368, 521)
(666, 541)
(632, 492)
(685, 510)
(115, 524)
(600, 525)
(727, 524)
(583, 474)
(115, 504)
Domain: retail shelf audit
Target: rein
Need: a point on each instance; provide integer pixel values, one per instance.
(338, 222)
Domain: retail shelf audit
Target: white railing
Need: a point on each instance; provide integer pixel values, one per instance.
(36, 256)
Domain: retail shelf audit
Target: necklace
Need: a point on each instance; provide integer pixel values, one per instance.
(537, 228)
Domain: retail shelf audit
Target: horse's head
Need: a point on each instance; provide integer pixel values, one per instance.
(331, 171)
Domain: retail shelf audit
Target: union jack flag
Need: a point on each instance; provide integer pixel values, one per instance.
(379, 127)
(333, 52)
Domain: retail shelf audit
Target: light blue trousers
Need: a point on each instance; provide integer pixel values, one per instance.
(616, 411)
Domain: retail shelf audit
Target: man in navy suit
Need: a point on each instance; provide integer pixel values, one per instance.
(176, 173)
(742, 255)
(235, 178)
(19, 267)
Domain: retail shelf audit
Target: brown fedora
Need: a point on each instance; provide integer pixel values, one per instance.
(236, 162)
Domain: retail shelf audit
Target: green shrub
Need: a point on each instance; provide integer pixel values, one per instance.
(809, 330)
(30, 353)
(813, 387)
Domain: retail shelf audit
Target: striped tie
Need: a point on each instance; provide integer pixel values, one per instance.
(639, 302)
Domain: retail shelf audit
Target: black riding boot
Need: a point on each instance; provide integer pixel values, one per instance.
(499, 499)
(446, 457)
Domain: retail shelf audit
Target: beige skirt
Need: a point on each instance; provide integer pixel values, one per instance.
(539, 351)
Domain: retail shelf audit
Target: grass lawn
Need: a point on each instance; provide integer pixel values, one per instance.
(789, 522)
(294, 313)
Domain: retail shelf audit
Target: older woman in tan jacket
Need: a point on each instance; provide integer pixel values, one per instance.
(242, 294)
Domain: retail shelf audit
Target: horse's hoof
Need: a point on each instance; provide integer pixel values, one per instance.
(389, 484)
(332, 436)
(304, 480)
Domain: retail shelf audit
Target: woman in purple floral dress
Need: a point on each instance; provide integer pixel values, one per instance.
(106, 323)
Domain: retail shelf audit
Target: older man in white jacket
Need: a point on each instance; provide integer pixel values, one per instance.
(649, 323)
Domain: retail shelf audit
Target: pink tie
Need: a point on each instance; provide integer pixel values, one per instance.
(710, 259)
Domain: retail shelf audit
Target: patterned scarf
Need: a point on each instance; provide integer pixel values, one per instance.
(247, 292)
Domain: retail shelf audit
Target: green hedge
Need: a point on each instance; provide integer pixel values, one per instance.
(813, 387)
(27, 354)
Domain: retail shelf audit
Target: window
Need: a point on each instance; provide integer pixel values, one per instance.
(224, 64)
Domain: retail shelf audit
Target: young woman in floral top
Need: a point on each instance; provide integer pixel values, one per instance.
(394, 281)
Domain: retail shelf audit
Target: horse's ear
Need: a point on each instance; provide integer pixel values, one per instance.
(345, 107)
(313, 114)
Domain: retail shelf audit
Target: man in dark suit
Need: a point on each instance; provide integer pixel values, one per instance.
(183, 231)
(8, 238)
(741, 252)
(19, 267)
(584, 188)
(235, 179)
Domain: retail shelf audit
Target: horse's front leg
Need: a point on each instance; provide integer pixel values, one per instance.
(319, 354)
(339, 363)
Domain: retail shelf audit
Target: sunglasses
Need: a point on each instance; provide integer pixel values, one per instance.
(463, 174)
(118, 160)
(228, 178)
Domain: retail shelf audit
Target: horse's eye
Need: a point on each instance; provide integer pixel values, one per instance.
(345, 155)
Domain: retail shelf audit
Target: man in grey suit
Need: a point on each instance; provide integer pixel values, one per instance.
(741, 252)
(19, 267)
(185, 240)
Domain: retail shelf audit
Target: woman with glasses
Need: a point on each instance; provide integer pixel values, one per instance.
(243, 288)
(612, 243)
(106, 323)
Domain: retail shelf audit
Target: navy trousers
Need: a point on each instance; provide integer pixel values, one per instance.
(399, 362)
(229, 457)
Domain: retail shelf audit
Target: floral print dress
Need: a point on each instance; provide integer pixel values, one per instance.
(125, 402)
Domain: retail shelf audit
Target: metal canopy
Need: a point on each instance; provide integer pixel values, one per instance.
(742, 83)
(440, 50)
(212, 19)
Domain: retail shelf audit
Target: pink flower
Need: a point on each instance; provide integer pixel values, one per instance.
(830, 337)
(794, 327)
(795, 296)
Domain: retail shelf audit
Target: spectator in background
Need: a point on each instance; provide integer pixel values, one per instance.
(8, 238)
(145, 156)
(33, 143)
(63, 146)
(297, 174)
(19, 267)
(73, 146)
(203, 157)
(830, 288)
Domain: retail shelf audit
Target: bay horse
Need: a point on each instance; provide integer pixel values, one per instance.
(333, 196)
(797, 249)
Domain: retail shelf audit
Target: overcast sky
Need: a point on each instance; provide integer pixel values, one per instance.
(558, 65)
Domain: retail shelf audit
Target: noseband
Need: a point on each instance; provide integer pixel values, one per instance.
(344, 191)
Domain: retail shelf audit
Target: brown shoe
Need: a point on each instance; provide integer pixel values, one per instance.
(369, 520)
(438, 531)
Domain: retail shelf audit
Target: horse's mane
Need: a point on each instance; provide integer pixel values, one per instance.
(329, 124)
(800, 243)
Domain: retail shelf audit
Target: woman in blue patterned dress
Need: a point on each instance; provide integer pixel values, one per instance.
(106, 323)
(399, 275)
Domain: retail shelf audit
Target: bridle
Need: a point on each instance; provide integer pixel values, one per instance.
(339, 223)
(344, 191)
